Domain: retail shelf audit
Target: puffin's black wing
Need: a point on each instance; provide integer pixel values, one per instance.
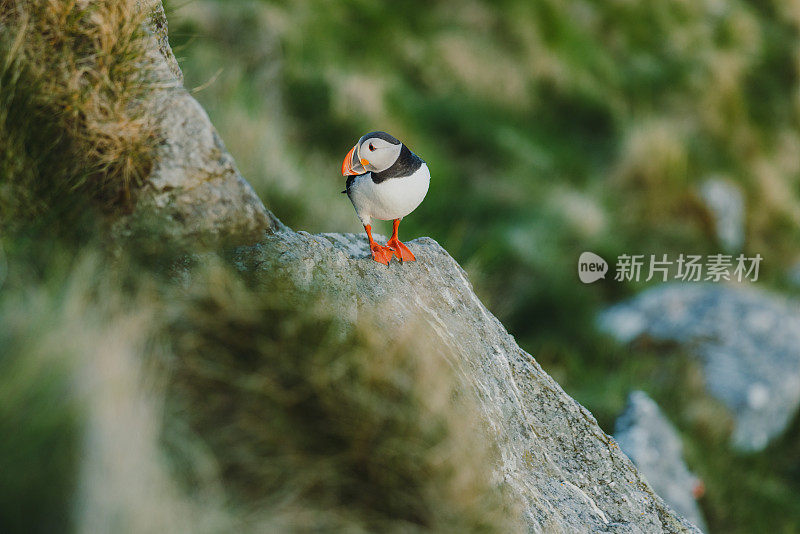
(349, 183)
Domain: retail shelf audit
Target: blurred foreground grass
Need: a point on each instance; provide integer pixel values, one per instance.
(551, 127)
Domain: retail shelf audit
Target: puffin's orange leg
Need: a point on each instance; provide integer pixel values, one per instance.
(399, 249)
(380, 253)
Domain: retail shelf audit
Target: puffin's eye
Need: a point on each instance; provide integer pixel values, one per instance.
(371, 148)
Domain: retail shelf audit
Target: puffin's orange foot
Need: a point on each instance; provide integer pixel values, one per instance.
(380, 253)
(400, 250)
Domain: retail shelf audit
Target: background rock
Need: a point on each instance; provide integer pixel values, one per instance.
(651, 442)
(726, 203)
(747, 340)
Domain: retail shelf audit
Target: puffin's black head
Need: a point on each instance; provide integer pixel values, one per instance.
(374, 152)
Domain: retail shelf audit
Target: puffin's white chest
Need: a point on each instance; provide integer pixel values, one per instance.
(393, 198)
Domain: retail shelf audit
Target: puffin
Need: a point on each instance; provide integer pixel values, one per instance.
(386, 181)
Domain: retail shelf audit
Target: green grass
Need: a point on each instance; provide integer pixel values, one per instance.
(39, 418)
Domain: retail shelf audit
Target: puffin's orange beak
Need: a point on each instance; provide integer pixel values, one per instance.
(351, 165)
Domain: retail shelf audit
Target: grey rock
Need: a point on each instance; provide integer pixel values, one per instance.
(726, 203)
(569, 475)
(747, 340)
(195, 189)
(653, 444)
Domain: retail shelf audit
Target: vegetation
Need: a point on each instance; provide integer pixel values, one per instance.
(71, 78)
(551, 127)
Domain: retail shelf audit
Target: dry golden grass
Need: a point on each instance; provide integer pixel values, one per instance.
(84, 67)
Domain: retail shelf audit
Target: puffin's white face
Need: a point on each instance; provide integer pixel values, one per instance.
(377, 154)
(374, 152)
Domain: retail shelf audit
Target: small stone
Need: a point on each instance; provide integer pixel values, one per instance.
(726, 203)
